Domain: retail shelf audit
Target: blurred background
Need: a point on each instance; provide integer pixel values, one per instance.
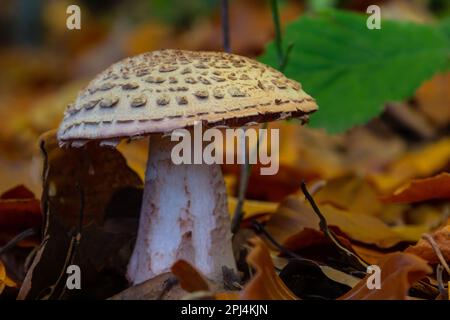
(44, 65)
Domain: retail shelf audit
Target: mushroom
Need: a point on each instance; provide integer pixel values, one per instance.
(184, 213)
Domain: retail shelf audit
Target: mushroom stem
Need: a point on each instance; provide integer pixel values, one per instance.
(184, 215)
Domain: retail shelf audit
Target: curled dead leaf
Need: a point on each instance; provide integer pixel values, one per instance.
(265, 284)
(436, 187)
(399, 271)
(91, 200)
(419, 163)
(424, 249)
(190, 279)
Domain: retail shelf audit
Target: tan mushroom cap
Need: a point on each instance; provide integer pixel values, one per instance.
(164, 90)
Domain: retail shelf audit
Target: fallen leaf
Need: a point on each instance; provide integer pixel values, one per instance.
(399, 271)
(424, 249)
(294, 214)
(354, 194)
(100, 171)
(190, 279)
(420, 163)
(96, 182)
(308, 281)
(436, 187)
(313, 244)
(252, 208)
(265, 284)
(5, 281)
(369, 254)
(159, 287)
(411, 233)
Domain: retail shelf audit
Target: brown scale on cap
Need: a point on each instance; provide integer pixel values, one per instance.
(175, 89)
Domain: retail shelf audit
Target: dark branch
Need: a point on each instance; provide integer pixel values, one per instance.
(225, 26)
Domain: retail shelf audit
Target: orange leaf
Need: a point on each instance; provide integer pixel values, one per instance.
(227, 296)
(424, 250)
(5, 281)
(265, 284)
(190, 279)
(437, 187)
(399, 271)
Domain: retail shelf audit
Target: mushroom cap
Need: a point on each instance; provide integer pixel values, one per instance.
(164, 90)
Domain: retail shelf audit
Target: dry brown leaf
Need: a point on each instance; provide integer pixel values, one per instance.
(436, 187)
(368, 254)
(110, 190)
(399, 271)
(308, 237)
(99, 170)
(155, 288)
(265, 284)
(190, 279)
(424, 249)
(294, 214)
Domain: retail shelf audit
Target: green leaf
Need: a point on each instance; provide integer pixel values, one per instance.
(445, 28)
(351, 70)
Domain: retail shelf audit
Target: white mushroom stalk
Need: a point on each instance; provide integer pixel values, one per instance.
(184, 216)
(184, 213)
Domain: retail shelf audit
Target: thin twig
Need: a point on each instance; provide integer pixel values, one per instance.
(246, 168)
(245, 171)
(440, 280)
(437, 251)
(259, 229)
(244, 177)
(277, 25)
(327, 231)
(71, 253)
(77, 238)
(225, 26)
(11, 243)
(286, 56)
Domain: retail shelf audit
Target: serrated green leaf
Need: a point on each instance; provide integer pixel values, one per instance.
(351, 70)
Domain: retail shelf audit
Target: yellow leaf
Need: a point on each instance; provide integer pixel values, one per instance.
(421, 163)
(294, 214)
(252, 208)
(411, 233)
(5, 281)
(355, 194)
